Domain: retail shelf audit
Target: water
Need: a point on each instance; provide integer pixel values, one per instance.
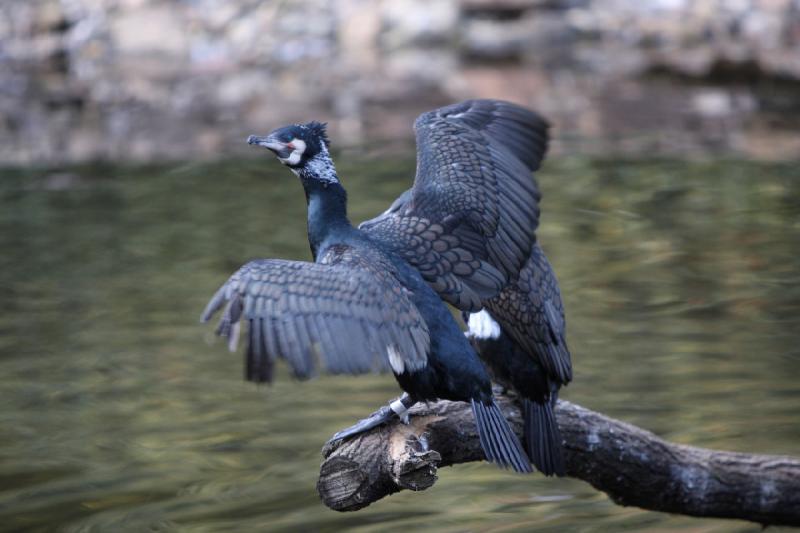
(121, 413)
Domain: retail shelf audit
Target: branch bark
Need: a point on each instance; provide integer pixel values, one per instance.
(633, 466)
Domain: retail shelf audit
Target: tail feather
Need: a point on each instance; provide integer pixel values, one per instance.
(489, 444)
(504, 447)
(498, 441)
(542, 438)
(487, 450)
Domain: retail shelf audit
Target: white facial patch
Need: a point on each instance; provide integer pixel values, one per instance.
(297, 153)
(395, 359)
(482, 326)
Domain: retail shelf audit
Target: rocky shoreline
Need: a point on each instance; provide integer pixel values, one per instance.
(140, 80)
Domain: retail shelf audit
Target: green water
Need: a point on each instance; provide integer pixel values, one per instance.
(120, 413)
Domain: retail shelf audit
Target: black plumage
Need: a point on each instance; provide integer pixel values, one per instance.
(468, 222)
(529, 353)
(466, 230)
(530, 310)
(302, 312)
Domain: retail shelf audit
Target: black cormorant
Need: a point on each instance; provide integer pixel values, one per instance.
(521, 336)
(520, 332)
(466, 228)
(526, 350)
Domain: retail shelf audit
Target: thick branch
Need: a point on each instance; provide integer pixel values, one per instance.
(631, 465)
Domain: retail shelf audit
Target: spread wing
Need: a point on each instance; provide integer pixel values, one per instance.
(468, 222)
(341, 315)
(530, 310)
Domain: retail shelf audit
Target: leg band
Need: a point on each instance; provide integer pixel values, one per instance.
(398, 407)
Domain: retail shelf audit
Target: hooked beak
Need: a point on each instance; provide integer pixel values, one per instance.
(277, 147)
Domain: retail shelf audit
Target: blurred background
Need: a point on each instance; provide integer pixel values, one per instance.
(671, 214)
(143, 79)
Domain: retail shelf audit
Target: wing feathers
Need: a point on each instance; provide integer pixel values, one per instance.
(473, 195)
(530, 310)
(340, 316)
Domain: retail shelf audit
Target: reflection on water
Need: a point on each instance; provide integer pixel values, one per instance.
(120, 412)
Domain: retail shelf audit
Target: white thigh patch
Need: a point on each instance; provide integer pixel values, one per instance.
(482, 326)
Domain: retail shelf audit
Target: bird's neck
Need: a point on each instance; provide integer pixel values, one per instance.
(327, 202)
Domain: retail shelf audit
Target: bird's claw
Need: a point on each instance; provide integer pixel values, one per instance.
(381, 416)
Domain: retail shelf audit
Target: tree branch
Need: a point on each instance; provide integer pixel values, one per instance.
(633, 466)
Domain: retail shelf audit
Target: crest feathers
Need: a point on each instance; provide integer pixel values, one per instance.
(320, 129)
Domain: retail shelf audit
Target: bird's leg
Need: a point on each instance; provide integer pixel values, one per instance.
(398, 407)
(401, 406)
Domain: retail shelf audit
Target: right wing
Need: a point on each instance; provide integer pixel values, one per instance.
(348, 318)
(468, 222)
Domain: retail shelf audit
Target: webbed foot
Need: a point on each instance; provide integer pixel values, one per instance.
(398, 408)
(381, 416)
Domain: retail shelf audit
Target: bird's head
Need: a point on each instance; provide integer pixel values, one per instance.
(295, 145)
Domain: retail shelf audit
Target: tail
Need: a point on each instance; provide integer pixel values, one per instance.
(542, 437)
(498, 440)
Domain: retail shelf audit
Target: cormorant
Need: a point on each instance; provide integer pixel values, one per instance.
(520, 332)
(467, 228)
(526, 351)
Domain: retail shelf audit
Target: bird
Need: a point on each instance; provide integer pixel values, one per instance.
(373, 297)
(520, 332)
(520, 335)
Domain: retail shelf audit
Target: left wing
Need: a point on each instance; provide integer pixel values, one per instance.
(349, 315)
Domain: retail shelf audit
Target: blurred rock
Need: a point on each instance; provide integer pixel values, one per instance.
(416, 23)
(156, 79)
